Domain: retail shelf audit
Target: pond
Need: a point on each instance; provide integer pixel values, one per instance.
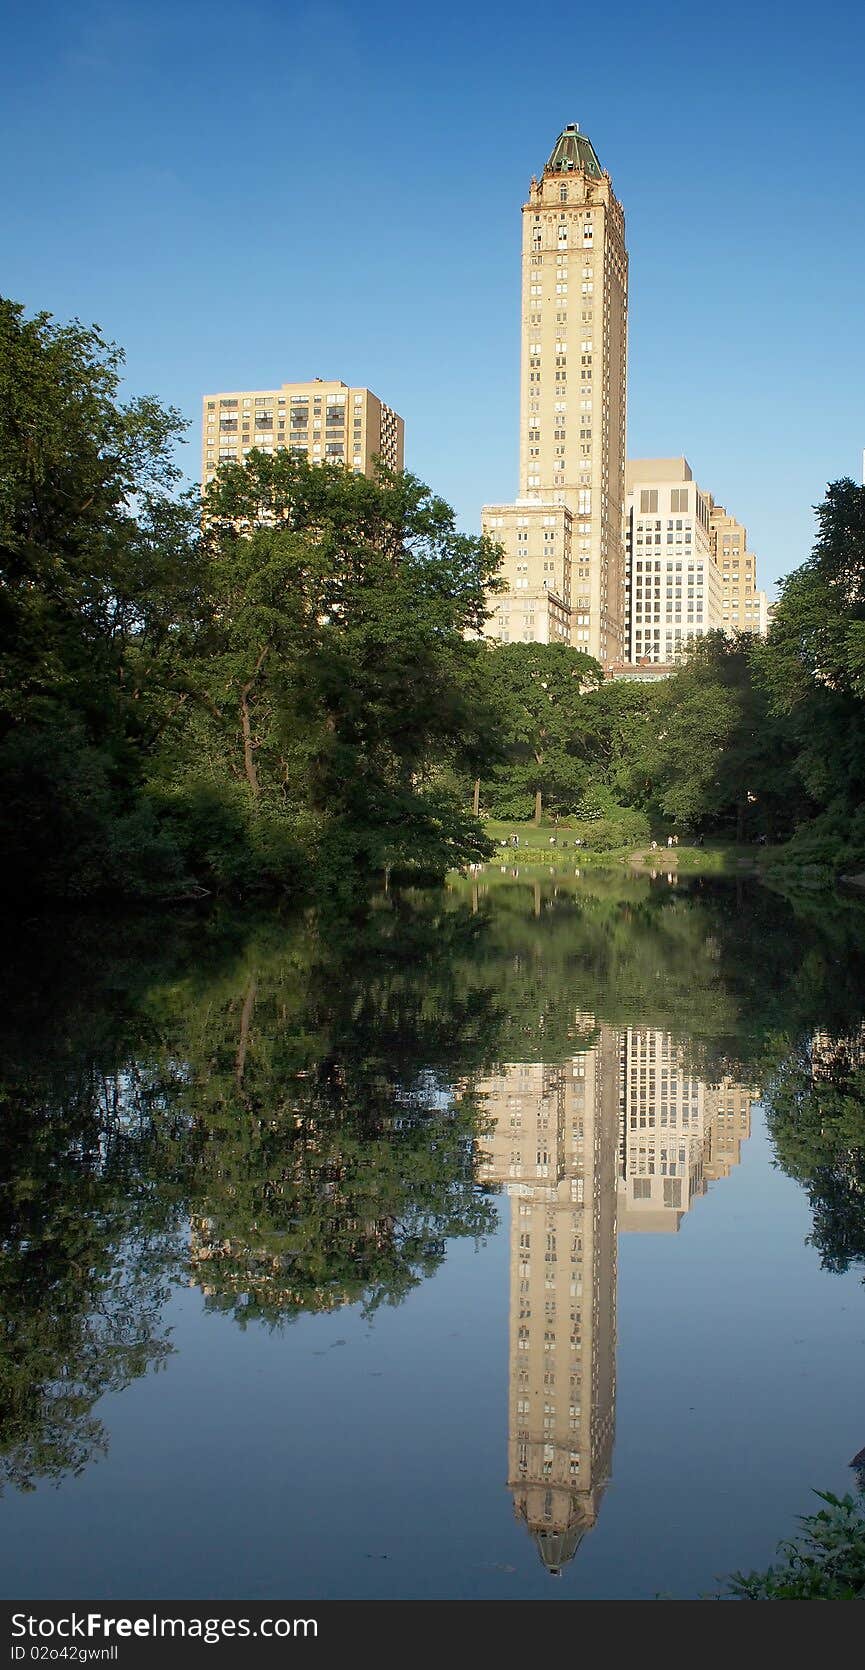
(498, 1241)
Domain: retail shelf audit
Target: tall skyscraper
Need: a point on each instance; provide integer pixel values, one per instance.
(572, 413)
(326, 422)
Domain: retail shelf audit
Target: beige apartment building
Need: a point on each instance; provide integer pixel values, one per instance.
(326, 422)
(553, 1147)
(572, 397)
(536, 608)
(673, 587)
(744, 608)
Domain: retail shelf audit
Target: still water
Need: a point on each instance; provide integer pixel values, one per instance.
(502, 1241)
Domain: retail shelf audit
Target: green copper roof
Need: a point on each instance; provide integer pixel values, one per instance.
(556, 1548)
(573, 152)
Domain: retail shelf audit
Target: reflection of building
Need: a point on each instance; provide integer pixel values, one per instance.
(553, 1146)
(728, 1125)
(552, 1143)
(677, 1133)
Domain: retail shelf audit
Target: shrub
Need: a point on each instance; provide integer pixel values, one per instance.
(825, 1562)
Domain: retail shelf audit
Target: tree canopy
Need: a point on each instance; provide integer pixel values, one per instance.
(287, 685)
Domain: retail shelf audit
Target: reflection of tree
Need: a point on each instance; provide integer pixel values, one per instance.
(302, 1094)
(817, 1120)
(326, 1157)
(286, 1087)
(84, 1253)
(734, 972)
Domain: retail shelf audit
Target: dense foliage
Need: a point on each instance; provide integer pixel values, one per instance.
(184, 706)
(751, 739)
(826, 1561)
(296, 682)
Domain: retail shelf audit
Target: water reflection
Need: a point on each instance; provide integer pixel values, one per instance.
(554, 1148)
(623, 1135)
(296, 1116)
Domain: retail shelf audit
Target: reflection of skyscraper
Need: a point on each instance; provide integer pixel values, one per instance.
(552, 1143)
(677, 1133)
(553, 1146)
(728, 1125)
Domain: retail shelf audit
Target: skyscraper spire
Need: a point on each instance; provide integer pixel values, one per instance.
(573, 152)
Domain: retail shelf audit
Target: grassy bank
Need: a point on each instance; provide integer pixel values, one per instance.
(571, 843)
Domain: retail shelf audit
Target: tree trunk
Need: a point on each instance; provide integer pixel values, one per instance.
(476, 799)
(248, 755)
(246, 727)
(537, 806)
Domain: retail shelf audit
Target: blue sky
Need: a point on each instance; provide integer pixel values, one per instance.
(245, 194)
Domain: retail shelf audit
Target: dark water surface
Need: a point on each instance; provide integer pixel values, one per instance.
(503, 1241)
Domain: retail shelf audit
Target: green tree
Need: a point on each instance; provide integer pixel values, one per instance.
(825, 1561)
(813, 669)
(295, 687)
(336, 665)
(99, 598)
(718, 759)
(537, 691)
(617, 729)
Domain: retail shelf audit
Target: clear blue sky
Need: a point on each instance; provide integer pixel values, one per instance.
(246, 194)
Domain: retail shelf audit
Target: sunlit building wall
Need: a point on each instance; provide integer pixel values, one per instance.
(536, 607)
(673, 589)
(323, 422)
(572, 391)
(744, 608)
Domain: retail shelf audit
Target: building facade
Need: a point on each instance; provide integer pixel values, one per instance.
(688, 569)
(536, 608)
(573, 389)
(673, 588)
(744, 608)
(325, 422)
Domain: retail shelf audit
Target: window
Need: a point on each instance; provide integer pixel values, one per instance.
(648, 500)
(679, 498)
